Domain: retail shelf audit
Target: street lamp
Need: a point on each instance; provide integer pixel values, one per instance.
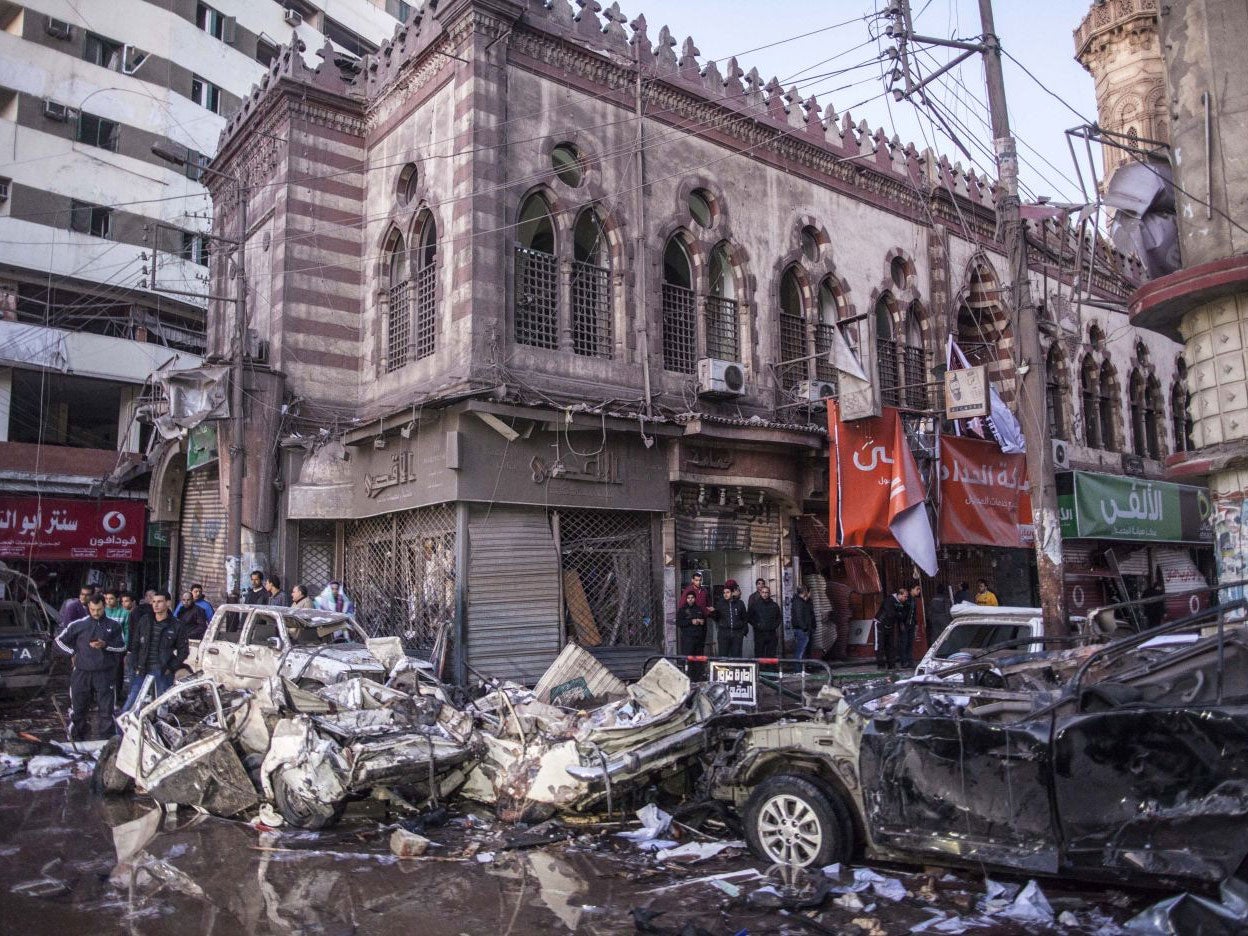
(180, 155)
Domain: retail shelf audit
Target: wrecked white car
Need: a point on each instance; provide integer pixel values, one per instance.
(1124, 761)
(249, 646)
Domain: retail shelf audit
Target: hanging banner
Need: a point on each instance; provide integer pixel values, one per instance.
(878, 498)
(983, 493)
(1096, 506)
(61, 528)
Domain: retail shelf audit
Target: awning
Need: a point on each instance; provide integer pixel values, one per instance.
(1109, 507)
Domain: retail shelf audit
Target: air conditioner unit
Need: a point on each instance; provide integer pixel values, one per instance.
(293, 18)
(257, 347)
(1061, 454)
(816, 390)
(720, 378)
(54, 111)
(58, 28)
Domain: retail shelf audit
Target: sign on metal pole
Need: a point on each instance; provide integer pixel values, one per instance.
(741, 679)
(966, 393)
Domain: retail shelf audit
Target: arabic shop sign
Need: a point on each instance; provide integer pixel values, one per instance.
(741, 680)
(61, 528)
(201, 446)
(1095, 506)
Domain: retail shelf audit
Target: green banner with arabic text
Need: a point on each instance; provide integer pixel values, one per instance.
(1096, 506)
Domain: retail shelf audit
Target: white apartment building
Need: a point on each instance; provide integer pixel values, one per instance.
(103, 246)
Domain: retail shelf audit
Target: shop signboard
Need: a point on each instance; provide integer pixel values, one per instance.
(59, 528)
(966, 393)
(201, 447)
(984, 495)
(741, 680)
(1096, 506)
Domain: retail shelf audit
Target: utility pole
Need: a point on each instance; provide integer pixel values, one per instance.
(1032, 411)
(180, 155)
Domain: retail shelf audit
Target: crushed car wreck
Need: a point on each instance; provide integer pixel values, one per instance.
(1119, 761)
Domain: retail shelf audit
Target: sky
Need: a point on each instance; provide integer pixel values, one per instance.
(1038, 35)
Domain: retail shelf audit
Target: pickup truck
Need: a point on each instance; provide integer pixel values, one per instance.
(975, 629)
(247, 646)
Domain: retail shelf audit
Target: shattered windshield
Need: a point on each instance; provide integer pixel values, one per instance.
(978, 637)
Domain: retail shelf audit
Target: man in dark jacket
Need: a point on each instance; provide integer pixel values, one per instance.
(257, 593)
(273, 592)
(759, 585)
(766, 618)
(157, 648)
(191, 617)
(803, 615)
(94, 641)
(691, 627)
(701, 597)
(731, 621)
(75, 609)
(890, 616)
(909, 622)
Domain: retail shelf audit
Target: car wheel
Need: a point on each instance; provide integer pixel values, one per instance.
(106, 779)
(796, 821)
(302, 811)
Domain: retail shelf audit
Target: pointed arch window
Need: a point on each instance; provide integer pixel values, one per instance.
(1136, 393)
(591, 288)
(1154, 417)
(831, 309)
(1055, 392)
(886, 359)
(680, 346)
(399, 318)
(1107, 403)
(425, 289)
(792, 323)
(723, 339)
(1089, 398)
(1180, 412)
(977, 319)
(537, 276)
(914, 359)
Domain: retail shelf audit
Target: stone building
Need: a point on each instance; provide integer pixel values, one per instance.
(532, 360)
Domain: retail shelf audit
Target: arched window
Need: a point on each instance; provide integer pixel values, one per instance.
(591, 288)
(1107, 389)
(537, 276)
(886, 352)
(723, 338)
(680, 345)
(977, 318)
(426, 289)
(1055, 392)
(1089, 398)
(1154, 417)
(792, 330)
(399, 320)
(831, 308)
(914, 359)
(1180, 410)
(1136, 393)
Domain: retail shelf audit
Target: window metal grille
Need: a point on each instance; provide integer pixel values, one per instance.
(591, 310)
(723, 339)
(887, 367)
(400, 569)
(399, 331)
(426, 311)
(792, 347)
(914, 367)
(608, 579)
(680, 349)
(823, 347)
(316, 555)
(537, 298)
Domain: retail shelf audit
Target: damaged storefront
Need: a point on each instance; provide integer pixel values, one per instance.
(506, 531)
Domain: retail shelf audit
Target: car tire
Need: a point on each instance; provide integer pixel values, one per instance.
(303, 812)
(797, 821)
(106, 779)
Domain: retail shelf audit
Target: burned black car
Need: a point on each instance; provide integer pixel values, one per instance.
(26, 631)
(1126, 760)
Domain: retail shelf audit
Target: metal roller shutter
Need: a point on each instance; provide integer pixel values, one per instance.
(513, 627)
(202, 536)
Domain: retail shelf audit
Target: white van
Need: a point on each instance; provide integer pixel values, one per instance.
(973, 628)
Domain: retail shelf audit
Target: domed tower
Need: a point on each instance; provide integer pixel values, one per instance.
(1117, 42)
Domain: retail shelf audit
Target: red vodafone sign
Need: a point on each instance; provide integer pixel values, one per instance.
(63, 528)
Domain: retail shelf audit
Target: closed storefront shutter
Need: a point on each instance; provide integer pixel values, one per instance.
(1086, 588)
(513, 625)
(202, 535)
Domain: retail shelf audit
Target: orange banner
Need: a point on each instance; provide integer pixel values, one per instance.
(984, 496)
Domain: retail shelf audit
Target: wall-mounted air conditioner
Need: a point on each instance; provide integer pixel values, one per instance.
(58, 29)
(293, 17)
(1061, 454)
(54, 111)
(816, 390)
(720, 378)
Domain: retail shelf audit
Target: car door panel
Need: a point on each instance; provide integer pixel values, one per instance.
(1158, 789)
(260, 649)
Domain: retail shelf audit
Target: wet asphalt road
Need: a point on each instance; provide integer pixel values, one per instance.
(75, 862)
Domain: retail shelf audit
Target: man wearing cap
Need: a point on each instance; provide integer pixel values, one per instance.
(731, 620)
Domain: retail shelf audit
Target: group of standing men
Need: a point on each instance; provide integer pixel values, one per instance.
(732, 617)
(267, 590)
(113, 638)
